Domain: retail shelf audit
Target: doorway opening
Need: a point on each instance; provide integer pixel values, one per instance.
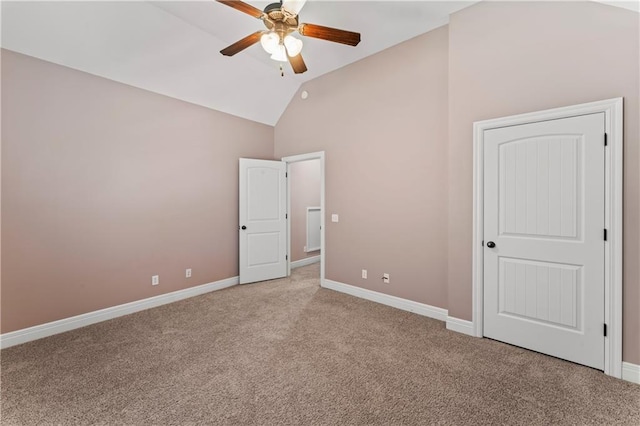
(306, 210)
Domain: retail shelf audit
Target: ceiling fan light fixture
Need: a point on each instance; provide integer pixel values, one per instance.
(293, 45)
(280, 54)
(281, 19)
(270, 42)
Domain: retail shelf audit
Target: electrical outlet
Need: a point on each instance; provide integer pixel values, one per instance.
(385, 278)
(364, 274)
(304, 249)
(187, 273)
(155, 280)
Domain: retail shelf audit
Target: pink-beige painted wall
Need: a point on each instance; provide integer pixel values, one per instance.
(0, 187)
(304, 178)
(105, 185)
(508, 58)
(382, 123)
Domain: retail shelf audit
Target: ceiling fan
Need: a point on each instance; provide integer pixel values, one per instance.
(281, 19)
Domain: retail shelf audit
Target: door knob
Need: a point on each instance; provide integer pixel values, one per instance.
(244, 227)
(491, 244)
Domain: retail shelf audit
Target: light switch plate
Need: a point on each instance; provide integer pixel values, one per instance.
(334, 218)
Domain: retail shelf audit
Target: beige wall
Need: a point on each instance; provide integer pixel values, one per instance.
(104, 185)
(0, 186)
(304, 178)
(508, 58)
(382, 123)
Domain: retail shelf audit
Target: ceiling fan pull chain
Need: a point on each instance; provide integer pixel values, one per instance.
(281, 70)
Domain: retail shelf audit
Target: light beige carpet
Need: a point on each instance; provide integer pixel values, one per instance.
(289, 352)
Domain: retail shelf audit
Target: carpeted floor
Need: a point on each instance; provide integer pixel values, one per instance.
(290, 352)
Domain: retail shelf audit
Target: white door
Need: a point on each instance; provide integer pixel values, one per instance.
(263, 222)
(544, 237)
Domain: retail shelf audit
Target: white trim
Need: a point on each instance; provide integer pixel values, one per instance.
(308, 248)
(631, 372)
(385, 299)
(612, 109)
(460, 326)
(55, 327)
(304, 262)
(294, 159)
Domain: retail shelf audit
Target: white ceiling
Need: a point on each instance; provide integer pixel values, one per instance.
(172, 47)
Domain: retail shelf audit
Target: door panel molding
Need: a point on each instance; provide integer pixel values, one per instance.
(613, 113)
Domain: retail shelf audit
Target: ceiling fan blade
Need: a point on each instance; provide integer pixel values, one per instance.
(297, 63)
(330, 34)
(293, 6)
(243, 7)
(240, 45)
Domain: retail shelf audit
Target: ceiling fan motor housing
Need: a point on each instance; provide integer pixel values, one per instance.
(279, 19)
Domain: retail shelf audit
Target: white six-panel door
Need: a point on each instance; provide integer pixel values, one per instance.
(263, 224)
(544, 246)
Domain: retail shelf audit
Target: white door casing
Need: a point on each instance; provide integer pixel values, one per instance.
(262, 220)
(544, 237)
(612, 110)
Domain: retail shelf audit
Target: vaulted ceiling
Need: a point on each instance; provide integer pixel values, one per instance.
(172, 47)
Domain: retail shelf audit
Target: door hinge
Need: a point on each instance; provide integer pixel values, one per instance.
(286, 257)
(286, 215)
(605, 330)
(605, 139)
(605, 234)
(482, 243)
(287, 174)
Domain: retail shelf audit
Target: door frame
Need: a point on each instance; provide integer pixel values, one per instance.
(295, 159)
(613, 111)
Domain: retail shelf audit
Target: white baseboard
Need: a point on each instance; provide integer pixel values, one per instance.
(460, 326)
(304, 262)
(631, 372)
(385, 299)
(49, 329)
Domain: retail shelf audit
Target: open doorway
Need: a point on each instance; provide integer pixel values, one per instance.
(305, 207)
